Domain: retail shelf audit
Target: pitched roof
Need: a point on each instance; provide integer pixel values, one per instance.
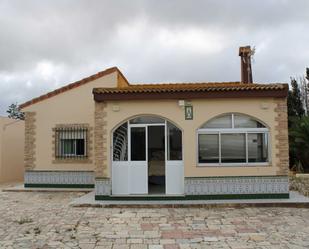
(124, 89)
(74, 85)
(194, 87)
(191, 90)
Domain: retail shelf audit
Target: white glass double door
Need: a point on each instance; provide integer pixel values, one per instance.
(131, 177)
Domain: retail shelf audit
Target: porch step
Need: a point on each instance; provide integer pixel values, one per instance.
(295, 200)
(146, 195)
(154, 197)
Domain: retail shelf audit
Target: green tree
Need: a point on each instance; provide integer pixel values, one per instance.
(299, 141)
(14, 112)
(295, 112)
(295, 105)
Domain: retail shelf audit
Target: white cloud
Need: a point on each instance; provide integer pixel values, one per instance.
(44, 45)
(45, 69)
(191, 40)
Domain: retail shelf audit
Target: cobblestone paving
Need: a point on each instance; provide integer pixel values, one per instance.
(45, 220)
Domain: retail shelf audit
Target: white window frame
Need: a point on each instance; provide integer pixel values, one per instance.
(233, 130)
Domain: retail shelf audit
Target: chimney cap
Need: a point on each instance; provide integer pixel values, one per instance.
(245, 50)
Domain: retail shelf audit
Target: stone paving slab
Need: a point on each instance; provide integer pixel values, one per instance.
(295, 200)
(47, 220)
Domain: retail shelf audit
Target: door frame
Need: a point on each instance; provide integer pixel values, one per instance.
(146, 134)
(129, 162)
(169, 189)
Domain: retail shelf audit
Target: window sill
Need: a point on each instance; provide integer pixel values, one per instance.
(267, 164)
(72, 160)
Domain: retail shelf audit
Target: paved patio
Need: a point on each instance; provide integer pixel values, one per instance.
(46, 220)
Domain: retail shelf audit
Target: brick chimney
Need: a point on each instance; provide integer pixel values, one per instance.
(245, 62)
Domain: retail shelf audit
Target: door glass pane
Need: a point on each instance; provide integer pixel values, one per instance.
(147, 120)
(156, 143)
(156, 159)
(219, 122)
(242, 121)
(208, 148)
(233, 148)
(120, 143)
(138, 144)
(174, 142)
(257, 147)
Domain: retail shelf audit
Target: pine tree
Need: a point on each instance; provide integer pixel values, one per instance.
(299, 142)
(295, 105)
(306, 87)
(298, 110)
(304, 91)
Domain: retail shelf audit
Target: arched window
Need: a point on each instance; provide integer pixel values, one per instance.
(121, 143)
(233, 139)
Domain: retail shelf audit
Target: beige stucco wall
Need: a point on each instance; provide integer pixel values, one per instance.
(263, 109)
(75, 106)
(11, 150)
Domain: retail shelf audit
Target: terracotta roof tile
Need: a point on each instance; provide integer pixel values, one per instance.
(159, 87)
(191, 87)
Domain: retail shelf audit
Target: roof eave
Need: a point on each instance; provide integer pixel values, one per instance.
(100, 97)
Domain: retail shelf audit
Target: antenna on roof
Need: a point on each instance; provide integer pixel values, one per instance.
(252, 53)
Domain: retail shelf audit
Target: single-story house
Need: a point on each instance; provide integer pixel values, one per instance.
(11, 149)
(171, 140)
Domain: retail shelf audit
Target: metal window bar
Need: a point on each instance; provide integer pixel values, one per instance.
(71, 142)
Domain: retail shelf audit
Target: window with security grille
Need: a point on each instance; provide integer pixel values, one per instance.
(71, 142)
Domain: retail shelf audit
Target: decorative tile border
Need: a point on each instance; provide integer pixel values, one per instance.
(103, 187)
(59, 178)
(251, 187)
(237, 185)
(212, 188)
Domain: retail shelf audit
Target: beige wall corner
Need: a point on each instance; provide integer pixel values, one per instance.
(30, 132)
(282, 137)
(11, 150)
(75, 106)
(100, 140)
